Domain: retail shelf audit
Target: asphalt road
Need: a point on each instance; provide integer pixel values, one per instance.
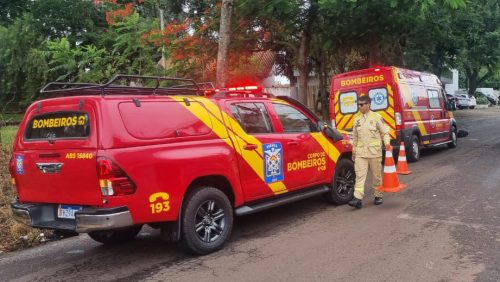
(444, 227)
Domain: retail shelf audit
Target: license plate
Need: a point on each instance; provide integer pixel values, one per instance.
(65, 211)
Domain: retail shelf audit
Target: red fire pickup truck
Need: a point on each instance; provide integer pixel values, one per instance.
(105, 159)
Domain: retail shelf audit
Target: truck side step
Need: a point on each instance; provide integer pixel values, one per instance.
(281, 200)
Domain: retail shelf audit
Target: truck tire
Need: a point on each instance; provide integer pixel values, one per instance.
(453, 138)
(111, 237)
(342, 188)
(413, 152)
(207, 221)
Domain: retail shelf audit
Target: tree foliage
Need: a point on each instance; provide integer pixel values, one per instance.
(89, 41)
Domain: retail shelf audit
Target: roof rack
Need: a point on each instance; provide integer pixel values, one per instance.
(110, 88)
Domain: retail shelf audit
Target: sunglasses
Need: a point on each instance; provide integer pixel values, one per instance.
(362, 104)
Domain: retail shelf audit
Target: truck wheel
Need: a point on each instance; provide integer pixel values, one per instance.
(207, 221)
(413, 152)
(110, 237)
(342, 189)
(453, 138)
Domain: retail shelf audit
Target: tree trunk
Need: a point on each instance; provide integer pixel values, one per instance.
(224, 39)
(472, 79)
(325, 87)
(303, 65)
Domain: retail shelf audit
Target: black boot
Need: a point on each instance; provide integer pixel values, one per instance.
(355, 202)
(378, 201)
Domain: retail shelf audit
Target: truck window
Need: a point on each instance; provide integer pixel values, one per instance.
(160, 119)
(292, 120)
(58, 125)
(252, 117)
(379, 99)
(348, 102)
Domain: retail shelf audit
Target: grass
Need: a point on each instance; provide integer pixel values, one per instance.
(7, 135)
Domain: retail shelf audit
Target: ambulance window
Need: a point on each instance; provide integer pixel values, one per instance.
(417, 98)
(252, 117)
(348, 102)
(293, 120)
(433, 99)
(379, 99)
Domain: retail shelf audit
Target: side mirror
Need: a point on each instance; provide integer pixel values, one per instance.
(330, 132)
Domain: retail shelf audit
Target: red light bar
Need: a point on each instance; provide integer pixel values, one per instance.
(240, 88)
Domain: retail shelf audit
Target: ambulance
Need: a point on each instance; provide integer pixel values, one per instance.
(413, 104)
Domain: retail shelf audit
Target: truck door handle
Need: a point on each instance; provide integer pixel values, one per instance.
(293, 143)
(250, 147)
(49, 167)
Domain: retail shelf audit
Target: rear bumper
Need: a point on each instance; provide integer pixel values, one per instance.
(87, 220)
(403, 135)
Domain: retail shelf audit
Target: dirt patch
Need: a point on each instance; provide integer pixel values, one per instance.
(14, 235)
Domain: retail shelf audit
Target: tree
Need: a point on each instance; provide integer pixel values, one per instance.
(224, 39)
(18, 42)
(12, 10)
(478, 30)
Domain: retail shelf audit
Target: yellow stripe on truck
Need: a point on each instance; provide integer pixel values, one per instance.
(332, 151)
(253, 157)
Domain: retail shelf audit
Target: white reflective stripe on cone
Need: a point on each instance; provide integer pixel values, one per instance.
(402, 158)
(389, 169)
(388, 154)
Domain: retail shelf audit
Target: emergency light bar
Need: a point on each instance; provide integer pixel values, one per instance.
(243, 88)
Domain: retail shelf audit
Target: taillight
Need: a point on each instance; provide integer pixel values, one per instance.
(112, 179)
(399, 121)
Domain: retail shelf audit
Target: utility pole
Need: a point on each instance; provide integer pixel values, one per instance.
(224, 39)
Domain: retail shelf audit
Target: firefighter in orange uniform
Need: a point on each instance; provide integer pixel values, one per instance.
(368, 132)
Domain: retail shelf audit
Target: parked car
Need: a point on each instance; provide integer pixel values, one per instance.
(106, 159)
(472, 102)
(463, 101)
(491, 98)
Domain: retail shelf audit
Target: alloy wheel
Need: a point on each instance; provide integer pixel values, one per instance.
(210, 221)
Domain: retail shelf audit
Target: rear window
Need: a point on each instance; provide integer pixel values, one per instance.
(379, 99)
(158, 120)
(348, 102)
(58, 125)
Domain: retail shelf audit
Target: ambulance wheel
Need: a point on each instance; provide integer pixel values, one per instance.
(207, 221)
(342, 189)
(413, 152)
(110, 237)
(453, 138)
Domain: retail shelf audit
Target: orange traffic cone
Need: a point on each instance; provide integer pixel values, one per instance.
(390, 181)
(402, 166)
